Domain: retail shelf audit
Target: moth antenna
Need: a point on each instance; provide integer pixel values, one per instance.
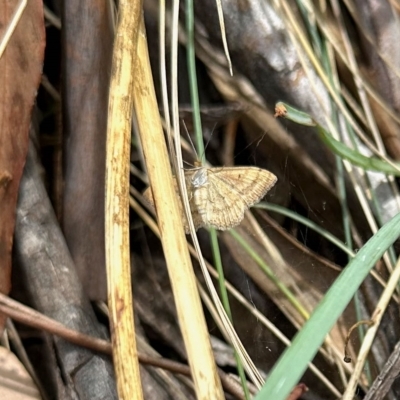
(198, 163)
(209, 140)
(188, 163)
(190, 139)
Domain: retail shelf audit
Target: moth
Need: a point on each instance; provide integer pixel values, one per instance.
(218, 197)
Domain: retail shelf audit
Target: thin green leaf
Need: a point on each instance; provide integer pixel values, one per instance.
(356, 158)
(306, 343)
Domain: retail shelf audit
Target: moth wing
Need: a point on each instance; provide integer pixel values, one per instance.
(224, 209)
(251, 183)
(229, 193)
(216, 204)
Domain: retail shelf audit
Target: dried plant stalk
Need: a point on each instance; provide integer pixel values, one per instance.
(187, 300)
(125, 358)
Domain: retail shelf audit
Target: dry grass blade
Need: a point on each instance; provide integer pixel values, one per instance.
(207, 383)
(117, 202)
(372, 331)
(223, 32)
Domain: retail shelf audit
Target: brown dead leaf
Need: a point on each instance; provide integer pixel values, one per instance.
(20, 71)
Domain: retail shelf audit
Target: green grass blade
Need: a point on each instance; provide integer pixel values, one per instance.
(225, 302)
(308, 223)
(340, 149)
(294, 361)
(194, 93)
